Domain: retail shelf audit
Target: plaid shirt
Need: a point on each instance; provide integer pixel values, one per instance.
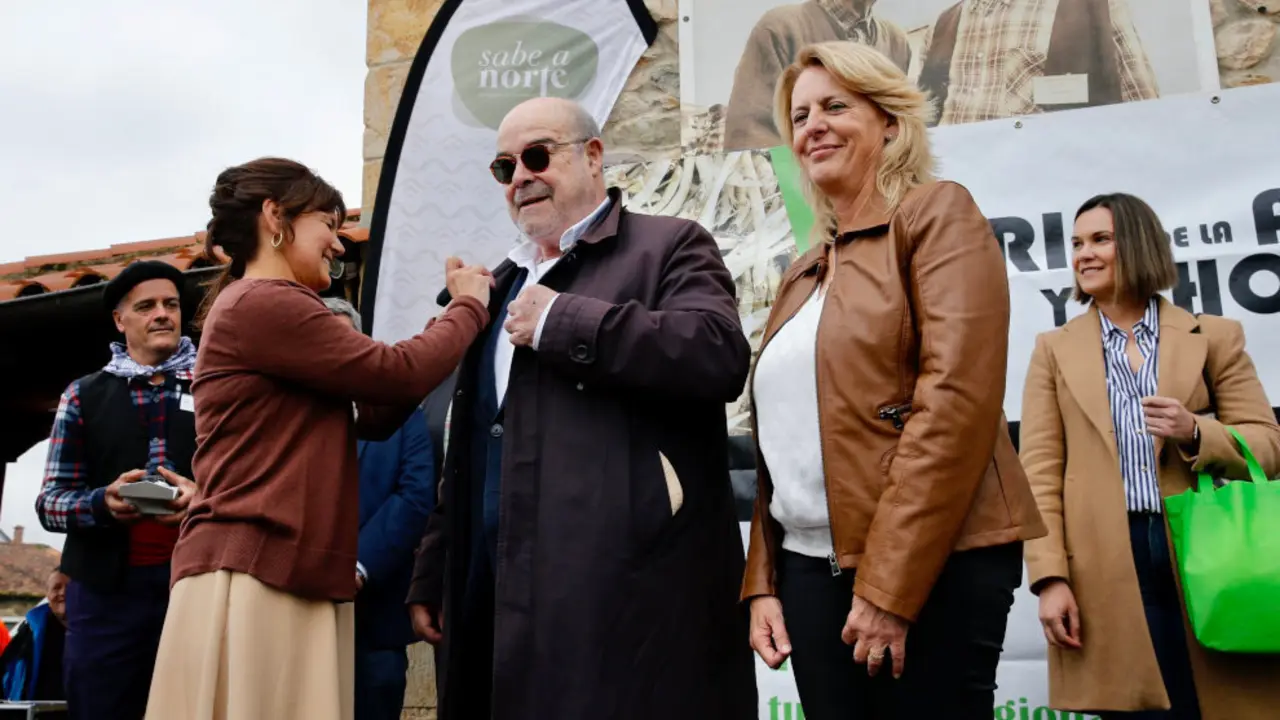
(66, 502)
(1001, 48)
(857, 26)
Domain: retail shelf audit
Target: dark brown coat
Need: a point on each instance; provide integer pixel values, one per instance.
(609, 604)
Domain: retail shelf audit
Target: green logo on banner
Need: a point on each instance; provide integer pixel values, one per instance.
(787, 171)
(500, 65)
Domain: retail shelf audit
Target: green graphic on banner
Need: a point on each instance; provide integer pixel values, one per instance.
(500, 65)
(787, 171)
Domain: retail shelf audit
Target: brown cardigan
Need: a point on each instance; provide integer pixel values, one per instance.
(275, 464)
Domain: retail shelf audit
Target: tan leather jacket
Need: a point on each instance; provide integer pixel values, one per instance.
(911, 353)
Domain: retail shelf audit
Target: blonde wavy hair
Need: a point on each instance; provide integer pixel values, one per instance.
(907, 160)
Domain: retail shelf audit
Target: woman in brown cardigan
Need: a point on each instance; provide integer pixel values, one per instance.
(260, 623)
(1115, 418)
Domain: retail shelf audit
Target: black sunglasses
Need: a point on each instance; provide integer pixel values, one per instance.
(535, 158)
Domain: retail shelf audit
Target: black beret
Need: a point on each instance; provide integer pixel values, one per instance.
(139, 271)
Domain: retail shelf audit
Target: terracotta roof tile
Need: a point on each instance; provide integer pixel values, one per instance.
(30, 287)
(39, 274)
(161, 244)
(39, 261)
(24, 569)
(180, 260)
(354, 234)
(10, 290)
(55, 281)
(107, 270)
(83, 276)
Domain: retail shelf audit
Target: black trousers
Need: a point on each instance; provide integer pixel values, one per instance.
(112, 639)
(1163, 608)
(952, 649)
(468, 690)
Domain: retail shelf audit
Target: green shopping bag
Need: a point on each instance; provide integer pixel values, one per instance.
(1226, 541)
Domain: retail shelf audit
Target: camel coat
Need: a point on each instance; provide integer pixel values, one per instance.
(1081, 497)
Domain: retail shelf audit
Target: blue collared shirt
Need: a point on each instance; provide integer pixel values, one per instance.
(1125, 389)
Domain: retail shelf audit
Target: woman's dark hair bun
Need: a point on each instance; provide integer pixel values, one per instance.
(236, 203)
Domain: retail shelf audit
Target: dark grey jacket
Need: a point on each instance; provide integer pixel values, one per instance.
(609, 606)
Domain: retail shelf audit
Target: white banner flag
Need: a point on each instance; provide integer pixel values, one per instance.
(436, 197)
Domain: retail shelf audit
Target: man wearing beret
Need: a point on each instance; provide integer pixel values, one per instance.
(130, 421)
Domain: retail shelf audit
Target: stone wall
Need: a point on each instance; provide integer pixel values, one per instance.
(649, 109)
(1245, 35)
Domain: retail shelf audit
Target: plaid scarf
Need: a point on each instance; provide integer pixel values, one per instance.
(858, 28)
(122, 365)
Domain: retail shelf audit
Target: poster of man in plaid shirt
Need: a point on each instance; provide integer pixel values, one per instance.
(977, 59)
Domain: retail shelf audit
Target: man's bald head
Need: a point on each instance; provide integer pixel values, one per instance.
(561, 112)
(568, 183)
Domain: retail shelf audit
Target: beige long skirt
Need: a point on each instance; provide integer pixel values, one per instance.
(235, 649)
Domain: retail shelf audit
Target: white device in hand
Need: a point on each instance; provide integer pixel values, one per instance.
(151, 495)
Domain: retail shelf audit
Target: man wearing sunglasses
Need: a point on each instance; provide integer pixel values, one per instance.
(585, 557)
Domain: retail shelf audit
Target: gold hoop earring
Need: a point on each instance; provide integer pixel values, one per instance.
(277, 239)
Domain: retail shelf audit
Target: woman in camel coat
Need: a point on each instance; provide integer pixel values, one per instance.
(1102, 444)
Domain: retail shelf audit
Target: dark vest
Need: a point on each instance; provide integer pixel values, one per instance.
(116, 441)
(1080, 43)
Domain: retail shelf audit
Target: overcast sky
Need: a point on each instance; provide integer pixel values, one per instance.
(115, 118)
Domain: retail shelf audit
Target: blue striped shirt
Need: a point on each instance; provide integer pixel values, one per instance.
(1126, 389)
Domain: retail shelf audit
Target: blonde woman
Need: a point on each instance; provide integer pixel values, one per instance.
(1118, 413)
(887, 537)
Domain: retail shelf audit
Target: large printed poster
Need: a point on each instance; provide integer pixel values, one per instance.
(1204, 160)
(479, 59)
(979, 59)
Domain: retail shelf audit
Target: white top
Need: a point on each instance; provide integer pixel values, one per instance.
(786, 407)
(526, 255)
